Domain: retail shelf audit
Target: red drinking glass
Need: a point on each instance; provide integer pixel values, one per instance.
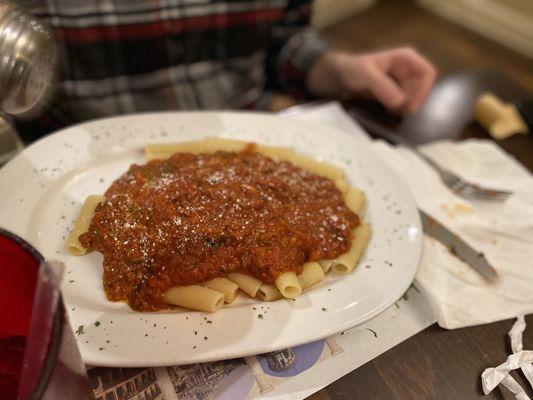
(39, 358)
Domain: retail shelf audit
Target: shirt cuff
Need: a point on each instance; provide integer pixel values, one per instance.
(295, 60)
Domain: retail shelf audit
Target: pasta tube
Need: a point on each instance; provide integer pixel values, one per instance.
(326, 265)
(195, 297)
(81, 225)
(288, 285)
(342, 185)
(163, 151)
(269, 292)
(248, 284)
(347, 262)
(312, 273)
(317, 167)
(355, 200)
(275, 152)
(224, 286)
(213, 144)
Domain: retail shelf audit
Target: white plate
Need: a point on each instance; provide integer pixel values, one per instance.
(43, 188)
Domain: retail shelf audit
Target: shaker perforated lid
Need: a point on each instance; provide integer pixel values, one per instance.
(28, 60)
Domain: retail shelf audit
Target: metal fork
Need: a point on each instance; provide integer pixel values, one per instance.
(455, 183)
(464, 188)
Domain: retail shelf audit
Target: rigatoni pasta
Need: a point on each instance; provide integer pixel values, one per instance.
(355, 200)
(288, 285)
(210, 294)
(248, 284)
(312, 273)
(213, 144)
(276, 152)
(195, 297)
(81, 225)
(224, 286)
(347, 262)
(164, 151)
(317, 167)
(268, 292)
(326, 265)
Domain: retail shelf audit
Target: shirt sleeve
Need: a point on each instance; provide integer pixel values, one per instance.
(294, 47)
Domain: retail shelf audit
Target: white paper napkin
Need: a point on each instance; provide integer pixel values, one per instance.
(503, 232)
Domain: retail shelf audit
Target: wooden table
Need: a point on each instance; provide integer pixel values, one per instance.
(437, 363)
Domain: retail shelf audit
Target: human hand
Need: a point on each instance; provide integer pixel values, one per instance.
(399, 78)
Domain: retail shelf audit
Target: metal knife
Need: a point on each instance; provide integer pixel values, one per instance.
(458, 247)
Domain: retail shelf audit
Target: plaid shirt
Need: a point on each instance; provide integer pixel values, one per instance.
(124, 56)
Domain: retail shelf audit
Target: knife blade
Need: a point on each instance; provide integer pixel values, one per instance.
(458, 247)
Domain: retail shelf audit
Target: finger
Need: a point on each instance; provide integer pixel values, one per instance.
(407, 56)
(420, 93)
(415, 74)
(385, 89)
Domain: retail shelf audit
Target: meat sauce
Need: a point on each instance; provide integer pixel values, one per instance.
(195, 217)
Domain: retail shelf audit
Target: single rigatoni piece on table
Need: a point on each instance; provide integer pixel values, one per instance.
(81, 225)
(248, 284)
(288, 285)
(195, 297)
(164, 151)
(268, 292)
(347, 262)
(355, 200)
(312, 273)
(225, 286)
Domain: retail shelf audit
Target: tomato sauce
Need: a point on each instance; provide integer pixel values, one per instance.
(192, 218)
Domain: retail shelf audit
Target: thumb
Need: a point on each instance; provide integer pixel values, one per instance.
(385, 89)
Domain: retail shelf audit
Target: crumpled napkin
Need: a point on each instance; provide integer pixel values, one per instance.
(503, 232)
(520, 358)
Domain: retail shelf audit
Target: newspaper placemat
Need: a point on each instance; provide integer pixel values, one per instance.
(290, 374)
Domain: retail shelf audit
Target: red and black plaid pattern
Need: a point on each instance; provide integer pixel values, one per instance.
(123, 56)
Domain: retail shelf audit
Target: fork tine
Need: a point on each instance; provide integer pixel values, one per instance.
(459, 185)
(464, 188)
(451, 181)
(476, 193)
(487, 191)
(469, 194)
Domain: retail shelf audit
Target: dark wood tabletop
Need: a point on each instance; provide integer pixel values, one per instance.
(438, 363)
